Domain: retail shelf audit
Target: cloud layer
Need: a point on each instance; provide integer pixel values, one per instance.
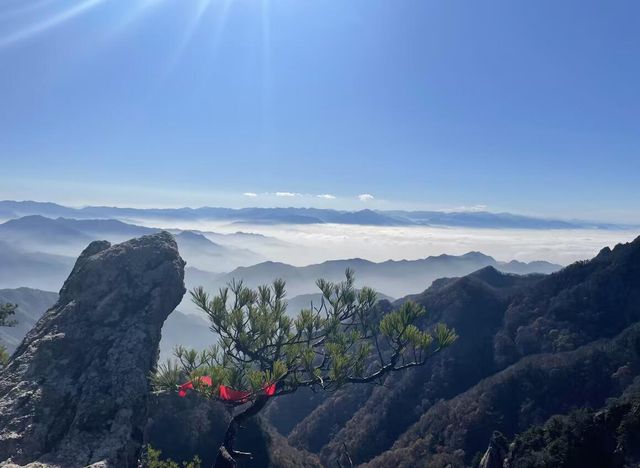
(288, 194)
(306, 244)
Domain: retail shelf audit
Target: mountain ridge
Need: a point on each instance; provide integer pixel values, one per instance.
(291, 215)
(580, 324)
(67, 237)
(396, 278)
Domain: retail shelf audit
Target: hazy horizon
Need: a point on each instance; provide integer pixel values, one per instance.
(305, 244)
(301, 205)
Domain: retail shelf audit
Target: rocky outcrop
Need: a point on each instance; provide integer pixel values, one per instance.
(75, 392)
(184, 427)
(269, 449)
(496, 452)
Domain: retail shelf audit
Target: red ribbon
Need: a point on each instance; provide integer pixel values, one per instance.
(182, 389)
(226, 393)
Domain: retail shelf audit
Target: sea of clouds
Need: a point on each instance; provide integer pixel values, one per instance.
(307, 244)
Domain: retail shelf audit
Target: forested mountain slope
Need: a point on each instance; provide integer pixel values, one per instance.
(530, 347)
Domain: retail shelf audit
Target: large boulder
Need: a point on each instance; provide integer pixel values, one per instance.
(76, 390)
(182, 428)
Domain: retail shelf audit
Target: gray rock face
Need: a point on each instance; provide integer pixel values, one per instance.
(75, 392)
(496, 452)
(184, 427)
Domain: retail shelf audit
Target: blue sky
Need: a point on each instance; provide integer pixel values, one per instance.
(529, 107)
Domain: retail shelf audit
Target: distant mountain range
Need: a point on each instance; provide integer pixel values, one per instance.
(306, 301)
(68, 237)
(482, 219)
(38, 252)
(396, 278)
(32, 303)
(32, 268)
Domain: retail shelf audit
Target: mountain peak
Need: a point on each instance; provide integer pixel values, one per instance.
(29, 220)
(475, 255)
(193, 236)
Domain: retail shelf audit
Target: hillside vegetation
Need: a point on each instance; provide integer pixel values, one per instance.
(530, 347)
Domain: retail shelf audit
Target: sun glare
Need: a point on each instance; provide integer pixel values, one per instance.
(26, 21)
(46, 23)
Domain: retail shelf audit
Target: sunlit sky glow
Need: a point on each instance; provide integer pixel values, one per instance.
(528, 107)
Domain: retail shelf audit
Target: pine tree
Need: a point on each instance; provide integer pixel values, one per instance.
(346, 339)
(6, 311)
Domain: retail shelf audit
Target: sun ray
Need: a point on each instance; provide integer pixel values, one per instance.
(24, 9)
(135, 13)
(220, 24)
(48, 23)
(266, 66)
(192, 26)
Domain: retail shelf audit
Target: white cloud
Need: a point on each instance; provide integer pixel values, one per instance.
(472, 209)
(287, 194)
(327, 196)
(365, 197)
(250, 194)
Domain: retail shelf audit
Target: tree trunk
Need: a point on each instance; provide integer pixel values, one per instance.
(227, 455)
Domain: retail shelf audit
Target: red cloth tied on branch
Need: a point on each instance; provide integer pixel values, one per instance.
(182, 389)
(226, 393)
(237, 396)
